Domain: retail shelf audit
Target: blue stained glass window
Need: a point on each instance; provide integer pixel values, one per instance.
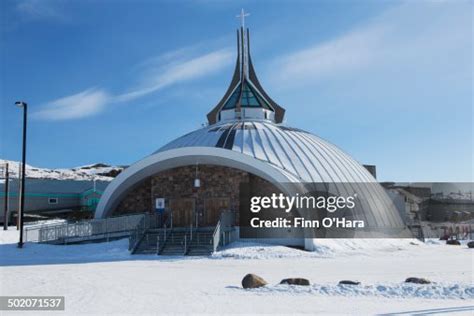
(249, 98)
(232, 101)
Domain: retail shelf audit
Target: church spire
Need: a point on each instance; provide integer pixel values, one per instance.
(245, 97)
(244, 44)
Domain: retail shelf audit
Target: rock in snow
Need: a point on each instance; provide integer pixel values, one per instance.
(252, 281)
(453, 242)
(417, 280)
(295, 281)
(349, 282)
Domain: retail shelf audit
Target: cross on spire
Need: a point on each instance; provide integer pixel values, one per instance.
(242, 16)
(245, 97)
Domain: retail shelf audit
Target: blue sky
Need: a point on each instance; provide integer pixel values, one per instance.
(389, 82)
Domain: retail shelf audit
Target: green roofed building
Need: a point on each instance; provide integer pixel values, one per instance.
(53, 197)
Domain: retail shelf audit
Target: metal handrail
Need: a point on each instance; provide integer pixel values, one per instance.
(166, 233)
(158, 244)
(192, 231)
(219, 235)
(82, 229)
(137, 234)
(216, 236)
(185, 246)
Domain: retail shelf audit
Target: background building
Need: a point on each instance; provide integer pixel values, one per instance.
(53, 198)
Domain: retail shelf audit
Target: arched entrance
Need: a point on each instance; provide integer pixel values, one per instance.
(133, 176)
(220, 189)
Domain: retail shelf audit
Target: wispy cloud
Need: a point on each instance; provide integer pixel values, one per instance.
(351, 51)
(40, 9)
(163, 76)
(410, 36)
(162, 71)
(83, 104)
(405, 41)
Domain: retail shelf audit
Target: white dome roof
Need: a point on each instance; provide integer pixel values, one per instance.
(307, 157)
(301, 157)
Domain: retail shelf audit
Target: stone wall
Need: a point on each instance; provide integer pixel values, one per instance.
(216, 182)
(178, 183)
(136, 201)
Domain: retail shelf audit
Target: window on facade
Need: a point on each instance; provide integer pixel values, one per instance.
(232, 101)
(248, 97)
(52, 200)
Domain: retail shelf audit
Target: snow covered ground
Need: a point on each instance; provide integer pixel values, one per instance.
(88, 172)
(104, 278)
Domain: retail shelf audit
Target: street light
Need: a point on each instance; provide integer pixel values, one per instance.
(23, 163)
(6, 200)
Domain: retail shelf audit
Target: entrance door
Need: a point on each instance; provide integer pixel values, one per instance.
(213, 208)
(92, 203)
(182, 210)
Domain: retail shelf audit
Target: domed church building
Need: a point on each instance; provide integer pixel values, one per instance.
(199, 175)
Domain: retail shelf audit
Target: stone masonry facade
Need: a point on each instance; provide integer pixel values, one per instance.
(217, 182)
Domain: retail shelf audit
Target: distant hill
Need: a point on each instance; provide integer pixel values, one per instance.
(98, 171)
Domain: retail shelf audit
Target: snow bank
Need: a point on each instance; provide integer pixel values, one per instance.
(46, 222)
(12, 235)
(391, 290)
(38, 254)
(9, 236)
(332, 247)
(43, 254)
(253, 250)
(323, 248)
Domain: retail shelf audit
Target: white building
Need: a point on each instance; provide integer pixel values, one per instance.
(245, 142)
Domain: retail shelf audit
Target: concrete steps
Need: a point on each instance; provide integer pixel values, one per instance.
(200, 245)
(200, 251)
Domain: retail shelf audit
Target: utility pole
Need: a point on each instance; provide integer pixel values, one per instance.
(21, 208)
(19, 198)
(6, 199)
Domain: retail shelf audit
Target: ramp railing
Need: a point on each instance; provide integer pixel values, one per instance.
(137, 234)
(225, 231)
(216, 236)
(83, 230)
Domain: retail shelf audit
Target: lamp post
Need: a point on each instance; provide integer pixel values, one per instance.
(23, 171)
(5, 204)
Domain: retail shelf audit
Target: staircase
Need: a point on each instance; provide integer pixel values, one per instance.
(174, 245)
(148, 244)
(414, 225)
(199, 245)
(150, 238)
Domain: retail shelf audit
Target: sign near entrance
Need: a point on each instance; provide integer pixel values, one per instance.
(160, 204)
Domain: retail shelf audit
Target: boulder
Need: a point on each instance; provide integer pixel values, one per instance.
(417, 280)
(453, 242)
(252, 281)
(295, 281)
(470, 244)
(349, 282)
